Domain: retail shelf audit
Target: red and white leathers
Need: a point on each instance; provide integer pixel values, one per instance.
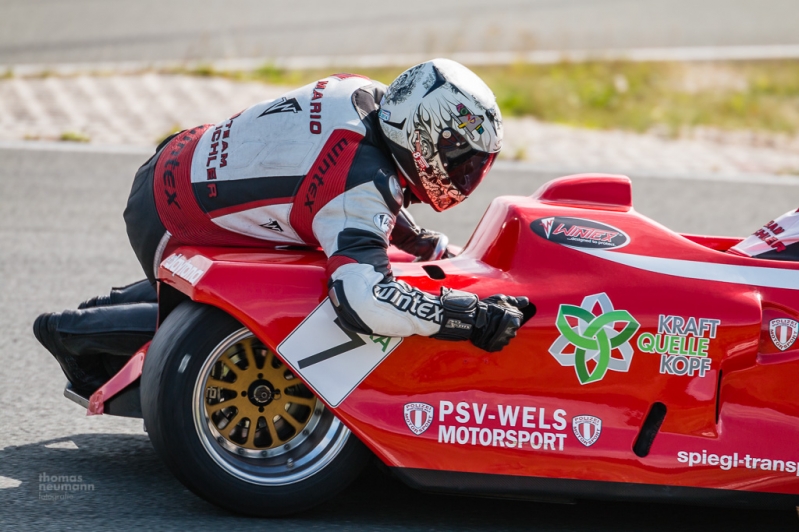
(778, 239)
(310, 168)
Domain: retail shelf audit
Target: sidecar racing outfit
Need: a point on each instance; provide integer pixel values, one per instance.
(312, 168)
(776, 240)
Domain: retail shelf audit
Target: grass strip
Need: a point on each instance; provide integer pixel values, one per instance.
(634, 96)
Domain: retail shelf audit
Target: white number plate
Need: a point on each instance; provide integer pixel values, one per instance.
(333, 361)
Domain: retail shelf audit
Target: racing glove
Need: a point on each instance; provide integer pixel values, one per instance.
(432, 246)
(503, 319)
(421, 243)
(489, 323)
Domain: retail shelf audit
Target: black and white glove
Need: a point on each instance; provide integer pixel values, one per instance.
(425, 245)
(489, 324)
(503, 319)
(432, 246)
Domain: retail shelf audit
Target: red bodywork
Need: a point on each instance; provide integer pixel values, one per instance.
(745, 407)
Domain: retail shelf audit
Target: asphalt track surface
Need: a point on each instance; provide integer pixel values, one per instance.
(62, 240)
(57, 31)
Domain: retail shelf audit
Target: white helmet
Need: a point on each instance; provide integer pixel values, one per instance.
(444, 129)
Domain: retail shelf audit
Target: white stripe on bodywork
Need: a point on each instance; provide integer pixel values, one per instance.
(704, 271)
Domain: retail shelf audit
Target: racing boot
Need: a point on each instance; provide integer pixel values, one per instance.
(139, 292)
(83, 341)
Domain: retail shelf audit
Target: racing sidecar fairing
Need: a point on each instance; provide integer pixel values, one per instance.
(655, 365)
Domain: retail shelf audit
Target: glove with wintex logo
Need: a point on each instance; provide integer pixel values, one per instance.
(489, 324)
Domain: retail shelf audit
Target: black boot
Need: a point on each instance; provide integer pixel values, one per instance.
(139, 292)
(84, 341)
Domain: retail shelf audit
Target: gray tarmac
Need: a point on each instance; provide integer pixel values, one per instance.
(62, 240)
(77, 31)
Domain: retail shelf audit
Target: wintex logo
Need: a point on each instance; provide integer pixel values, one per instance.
(546, 223)
(579, 232)
(589, 337)
(272, 225)
(282, 106)
(384, 222)
(404, 298)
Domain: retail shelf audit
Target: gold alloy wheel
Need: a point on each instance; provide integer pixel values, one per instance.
(275, 433)
(254, 403)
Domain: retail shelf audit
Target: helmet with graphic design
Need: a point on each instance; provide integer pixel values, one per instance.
(444, 129)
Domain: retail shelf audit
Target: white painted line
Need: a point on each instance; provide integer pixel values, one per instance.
(6, 483)
(67, 444)
(42, 145)
(754, 179)
(695, 53)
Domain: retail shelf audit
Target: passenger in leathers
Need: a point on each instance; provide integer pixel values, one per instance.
(332, 164)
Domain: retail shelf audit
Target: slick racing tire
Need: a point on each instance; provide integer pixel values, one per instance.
(234, 425)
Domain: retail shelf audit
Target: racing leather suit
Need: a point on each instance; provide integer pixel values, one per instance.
(777, 240)
(310, 168)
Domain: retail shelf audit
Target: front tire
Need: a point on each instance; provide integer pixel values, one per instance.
(235, 425)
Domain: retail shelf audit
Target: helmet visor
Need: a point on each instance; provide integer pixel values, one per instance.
(465, 166)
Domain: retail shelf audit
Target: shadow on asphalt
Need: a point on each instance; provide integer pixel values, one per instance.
(127, 485)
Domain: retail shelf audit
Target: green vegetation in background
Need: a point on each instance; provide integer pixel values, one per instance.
(668, 97)
(74, 136)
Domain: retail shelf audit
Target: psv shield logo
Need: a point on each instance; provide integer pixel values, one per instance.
(418, 417)
(587, 429)
(783, 332)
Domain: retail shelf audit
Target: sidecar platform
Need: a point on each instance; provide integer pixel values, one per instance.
(632, 319)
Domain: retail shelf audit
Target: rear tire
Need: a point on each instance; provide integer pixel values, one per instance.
(293, 457)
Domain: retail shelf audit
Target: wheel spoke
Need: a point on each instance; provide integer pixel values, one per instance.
(231, 427)
(218, 383)
(250, 433)
(213, 409)
(228, 422)
(288, 418)
(228, 406)
(224, 404)
(245, 406)
(249, 355)
(231, 367)
(270, 424)
(309, 402)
